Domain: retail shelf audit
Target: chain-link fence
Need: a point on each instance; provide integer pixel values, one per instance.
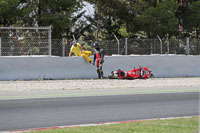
(194, 46)
(37, 41)
(60, 47)
(57, 47)
(151, 46)
(17, 41)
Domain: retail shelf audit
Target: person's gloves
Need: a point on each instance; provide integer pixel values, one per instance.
(101, 62)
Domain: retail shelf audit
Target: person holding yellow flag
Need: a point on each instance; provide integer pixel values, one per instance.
(77, 49)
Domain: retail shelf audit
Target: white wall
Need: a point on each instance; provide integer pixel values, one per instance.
(45, 67)
(160, 65)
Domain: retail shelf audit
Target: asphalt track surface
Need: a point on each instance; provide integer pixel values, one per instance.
(48, 112)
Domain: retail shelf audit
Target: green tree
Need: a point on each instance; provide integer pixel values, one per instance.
(160, 20)
(123, 18)
(9, 11)
(192, 18)
(107, 18)
(57, 13)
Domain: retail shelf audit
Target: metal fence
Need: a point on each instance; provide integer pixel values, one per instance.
(17, 41)
(37, 41)
(152, 46)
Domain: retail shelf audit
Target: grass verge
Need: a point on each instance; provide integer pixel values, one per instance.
(181, 125)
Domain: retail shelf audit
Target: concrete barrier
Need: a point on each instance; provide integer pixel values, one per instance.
(161, 65)
(46, 67)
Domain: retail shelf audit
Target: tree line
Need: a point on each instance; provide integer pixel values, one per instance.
(121, 18)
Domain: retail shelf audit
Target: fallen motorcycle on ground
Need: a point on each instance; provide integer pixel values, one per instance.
(136, 73)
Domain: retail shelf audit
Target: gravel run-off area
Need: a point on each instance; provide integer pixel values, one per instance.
(38, 85)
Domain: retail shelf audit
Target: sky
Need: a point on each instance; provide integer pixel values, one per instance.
(89, 8)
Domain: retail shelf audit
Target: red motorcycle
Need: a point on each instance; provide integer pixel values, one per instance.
(136, 73)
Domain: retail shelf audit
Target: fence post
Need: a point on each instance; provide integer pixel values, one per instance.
(160, 44)
(63, 47)
(49, 40)
(117, 43)
(168, 47)
(188, 46)
(126, 46)
(0, 46)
